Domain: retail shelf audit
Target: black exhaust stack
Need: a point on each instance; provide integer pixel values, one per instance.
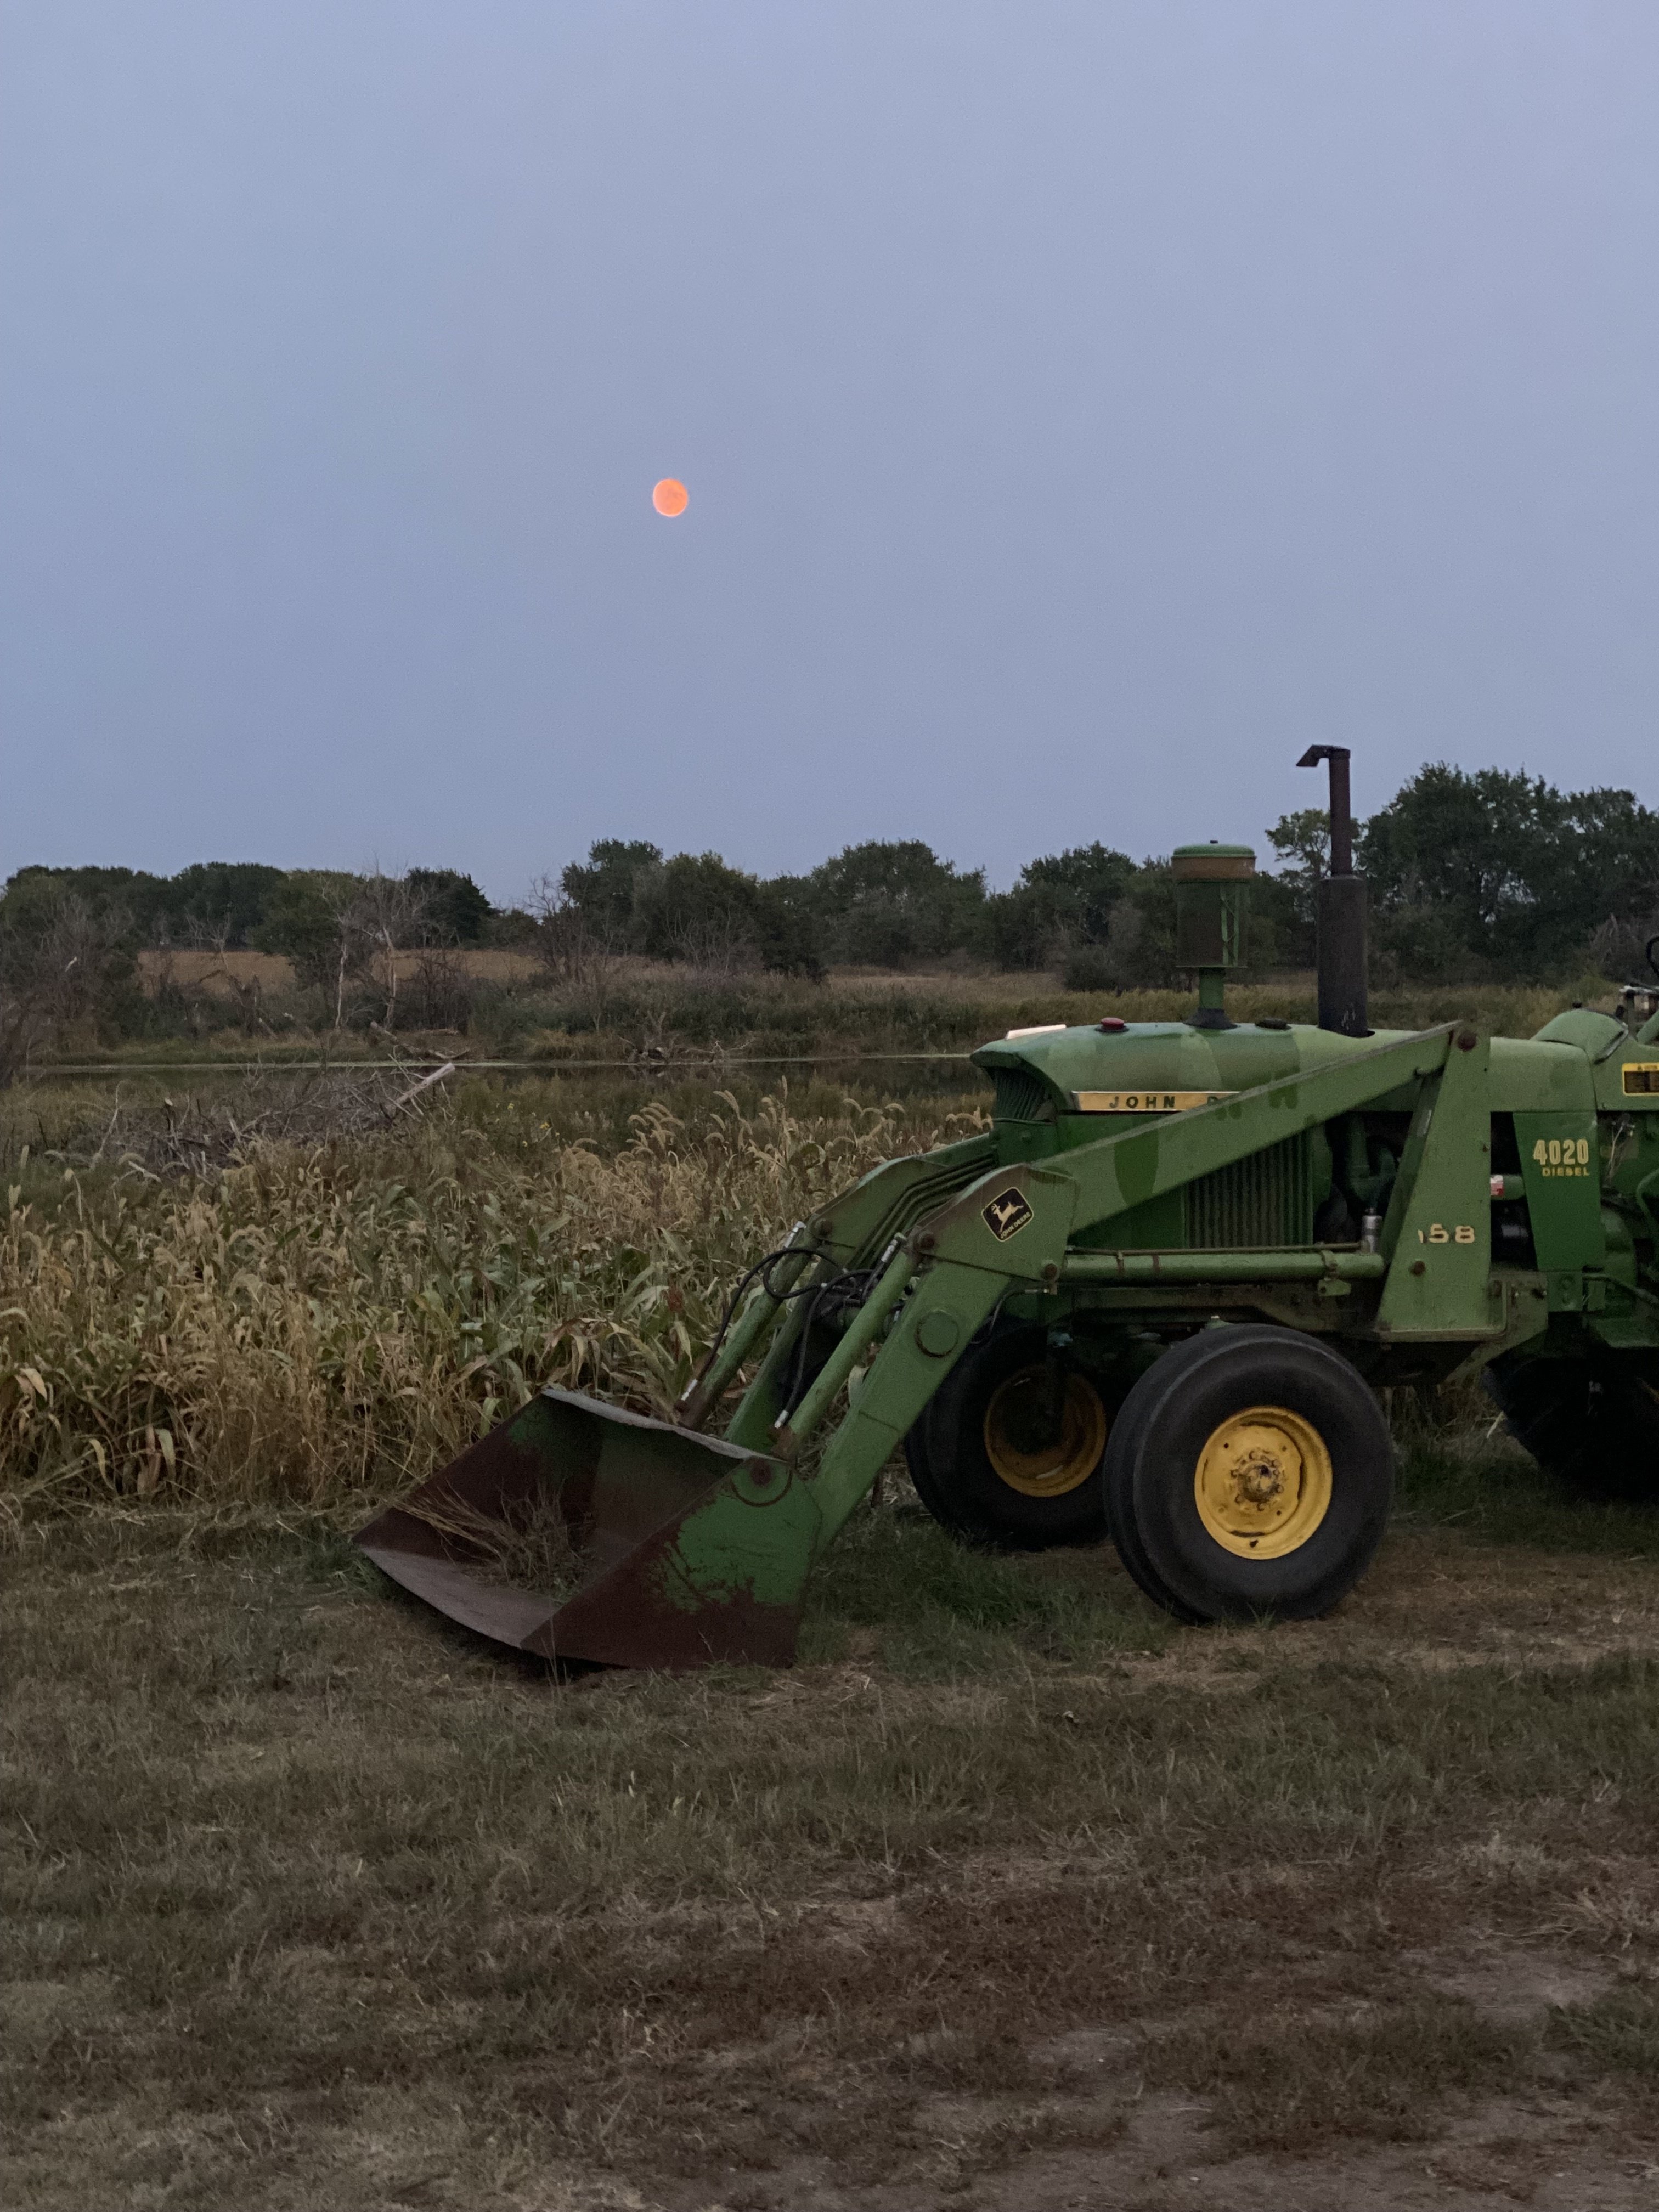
(1341, 910)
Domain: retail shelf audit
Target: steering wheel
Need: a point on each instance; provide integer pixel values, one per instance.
(1648, 952)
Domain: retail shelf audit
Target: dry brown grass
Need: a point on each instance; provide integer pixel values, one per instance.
(216, 975)
(949, 1008)
(1011, 1896)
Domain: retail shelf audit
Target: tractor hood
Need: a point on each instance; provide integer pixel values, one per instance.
(1151, 1067)
(1163, 1068)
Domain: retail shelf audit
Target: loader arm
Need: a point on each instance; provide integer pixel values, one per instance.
(849, 1235)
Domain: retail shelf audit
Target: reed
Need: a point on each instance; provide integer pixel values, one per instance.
(316, 1324)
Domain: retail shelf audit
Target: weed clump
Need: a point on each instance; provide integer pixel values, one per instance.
(527, 1547)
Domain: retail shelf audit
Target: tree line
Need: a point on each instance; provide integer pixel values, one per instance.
(1473, 876)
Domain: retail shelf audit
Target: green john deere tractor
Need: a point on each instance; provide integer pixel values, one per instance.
(1155, 1300)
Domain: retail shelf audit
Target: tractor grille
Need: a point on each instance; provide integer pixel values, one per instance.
(1265, 1200)
(1021, 1096)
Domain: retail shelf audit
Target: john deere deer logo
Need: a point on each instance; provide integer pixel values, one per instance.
(1005, 1216)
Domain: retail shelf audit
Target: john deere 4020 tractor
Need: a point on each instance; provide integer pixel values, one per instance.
(1156, 1300)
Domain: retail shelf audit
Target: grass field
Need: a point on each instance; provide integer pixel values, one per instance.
(642, 1011)
(1012, 1895)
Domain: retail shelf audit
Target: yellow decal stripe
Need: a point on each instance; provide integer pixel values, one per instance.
(1145, 1102)
(1641, 1078)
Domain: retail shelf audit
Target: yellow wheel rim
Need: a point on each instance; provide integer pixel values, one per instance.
(1019, 1439)
(1263, 1482)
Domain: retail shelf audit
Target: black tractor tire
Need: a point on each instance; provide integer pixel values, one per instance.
(920, 1470)
(1122, 1448)
(1592, 1423)
(986, 1462)
(1249, 1471)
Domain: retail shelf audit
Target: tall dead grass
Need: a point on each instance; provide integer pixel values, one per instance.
(659, 1011)
(316, 1325)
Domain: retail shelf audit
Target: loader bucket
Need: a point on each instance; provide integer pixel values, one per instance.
(576, 1530)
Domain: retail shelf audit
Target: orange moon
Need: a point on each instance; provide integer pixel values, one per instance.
(669, 496)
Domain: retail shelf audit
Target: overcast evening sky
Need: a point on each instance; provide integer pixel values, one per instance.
(1084, 407)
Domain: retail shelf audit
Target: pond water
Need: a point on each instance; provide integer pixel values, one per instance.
(903, 1074)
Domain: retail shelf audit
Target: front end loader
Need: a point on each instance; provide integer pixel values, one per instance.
(1157, 1299)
